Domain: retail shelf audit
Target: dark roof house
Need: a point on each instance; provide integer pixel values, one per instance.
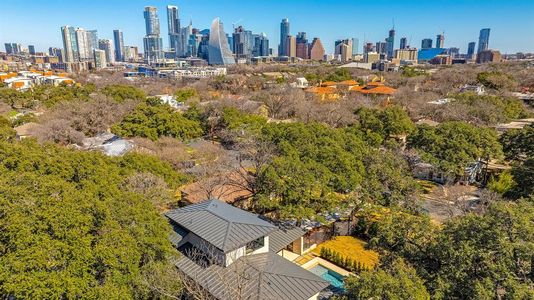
(232, 254)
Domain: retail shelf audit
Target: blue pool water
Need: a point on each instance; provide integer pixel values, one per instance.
(335, 279)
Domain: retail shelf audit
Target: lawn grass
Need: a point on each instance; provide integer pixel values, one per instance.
(354, 248)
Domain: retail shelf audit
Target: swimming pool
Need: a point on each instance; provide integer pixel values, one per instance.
(335, 279)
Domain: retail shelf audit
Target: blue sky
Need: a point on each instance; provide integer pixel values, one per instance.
(38, 22)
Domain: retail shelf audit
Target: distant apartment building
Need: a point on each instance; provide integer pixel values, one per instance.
(100, 59)
(371, 57)
(390, 43)
(381, 47)
(107, 46)
(219, 51)
(355, 46)
(426, 44)
(70, 44)
(343, 49)
(488, 56)
(243, 41)
(406, 54)
(483, 40)
(31, 49)
(13, 48)
(261, 45)
(316, 50)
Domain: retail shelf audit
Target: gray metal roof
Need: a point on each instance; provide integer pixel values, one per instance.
(222, 225)
(265, 276)
(279, 239)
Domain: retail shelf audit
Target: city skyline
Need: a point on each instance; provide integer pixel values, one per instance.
(460, 28)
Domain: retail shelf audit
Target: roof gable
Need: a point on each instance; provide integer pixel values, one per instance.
(220, 224)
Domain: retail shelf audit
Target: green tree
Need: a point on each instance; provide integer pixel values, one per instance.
(396, 282)
(151, 120)
(518, 144)
(120, 93)
(6, 131)
(453, 145)
(70, 230)
(185, 94)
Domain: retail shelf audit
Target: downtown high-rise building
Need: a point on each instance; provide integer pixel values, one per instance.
(390, 41)
(291, 46)
(107, 46)
(302, 50)
(243, 42)
(261, 45)
(84, 44)
(426, 44)
(316, 50)
(13, 48)
(355, 46)
(31, 49)
(219, 51)
(70, 44)
(173, 24)
(471, 50)
(118, 41)
(99, 57)
(483, 40)
(284, 32)
(152, 42)
(403, 43)
(381, 47)
(440, 41)
(343, 49)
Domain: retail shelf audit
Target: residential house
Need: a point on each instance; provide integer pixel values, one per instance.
(233, 254)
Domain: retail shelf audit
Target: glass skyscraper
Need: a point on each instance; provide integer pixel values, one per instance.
(119, 45)
(153, 45)
(70, 44)
(173, 22)
(390, 41)
(219, 51)
(471, 50)
(483, 40)
(284, 32)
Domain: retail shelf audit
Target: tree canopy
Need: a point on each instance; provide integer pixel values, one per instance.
(152, 119)
(71, 229)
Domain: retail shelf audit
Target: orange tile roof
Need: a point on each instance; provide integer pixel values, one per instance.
(349, 82)
(328, 83)
(375, 83)
(321, 90)
(383, 90)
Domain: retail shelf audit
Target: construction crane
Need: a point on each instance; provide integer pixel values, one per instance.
(236, 22)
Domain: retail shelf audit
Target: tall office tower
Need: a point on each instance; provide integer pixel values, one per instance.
(440, 41)
(92, 39)
(70, 44)
(84, 45)
(243, 42)
(107, 46)
(403, 43)
(119, 45)
(471, 50)
(261, 45)
(390, 40)
(302, 46)
(153, 45)
(426, 44)
(316, 49)
(483, 40)
(219, 51)
(173, 22)
(31, 49)
(284, 32)
(291, 46)
(355, 46)
(381, 47)
(99, 57)
(231, 42)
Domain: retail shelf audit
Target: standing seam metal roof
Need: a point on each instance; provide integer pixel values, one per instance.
(222, 225)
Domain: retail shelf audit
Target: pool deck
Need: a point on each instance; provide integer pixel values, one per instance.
(308, 264)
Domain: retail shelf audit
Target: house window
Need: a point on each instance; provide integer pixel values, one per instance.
(255, 244)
